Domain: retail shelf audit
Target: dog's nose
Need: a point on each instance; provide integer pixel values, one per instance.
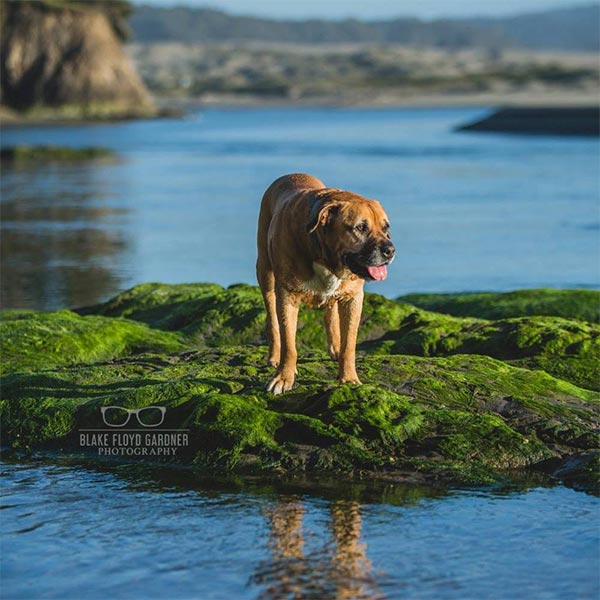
(387, 249)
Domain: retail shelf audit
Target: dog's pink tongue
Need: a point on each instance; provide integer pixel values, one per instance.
(378, 273)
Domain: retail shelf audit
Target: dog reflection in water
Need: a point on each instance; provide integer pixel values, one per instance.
(341, 569)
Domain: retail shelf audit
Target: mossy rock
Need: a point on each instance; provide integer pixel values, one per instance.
(198, 351)
(465, 418)
(583, 305)
(34, 341)
(563, 347)
(209, 315)
(22, 154)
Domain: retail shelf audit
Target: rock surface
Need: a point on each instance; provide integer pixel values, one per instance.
(584, 121)
(63, 59)
(445, 398)
(27, 154)
(583, 305)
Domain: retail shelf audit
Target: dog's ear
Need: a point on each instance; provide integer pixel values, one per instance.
(320, 214)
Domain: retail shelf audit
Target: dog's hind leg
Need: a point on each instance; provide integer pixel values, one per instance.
(266, 280)
(332, 327)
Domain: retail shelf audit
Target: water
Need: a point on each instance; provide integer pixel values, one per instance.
(468, 211)
(72, 530)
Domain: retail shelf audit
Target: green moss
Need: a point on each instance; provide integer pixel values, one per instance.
(369, 413)
(209, 315)
(52, 153)
(583, 371)
(42, 340)
(31, 422)
(566, 348)
(198, 350)
(467, 418)
(225, 426)
(457, 436)
(570, 304)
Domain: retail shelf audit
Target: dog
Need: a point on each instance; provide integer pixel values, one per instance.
(317, 245)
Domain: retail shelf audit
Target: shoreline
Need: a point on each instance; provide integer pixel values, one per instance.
(307, 480)
(181, 107)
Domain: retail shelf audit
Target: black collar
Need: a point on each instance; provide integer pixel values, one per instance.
(312, 214)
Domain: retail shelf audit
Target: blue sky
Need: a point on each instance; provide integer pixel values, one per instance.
(372, 9)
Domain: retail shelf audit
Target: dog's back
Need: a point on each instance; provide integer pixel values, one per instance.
(279, 189)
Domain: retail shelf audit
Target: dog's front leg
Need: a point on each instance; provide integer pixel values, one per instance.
(332, 328)
(288, 305)
(350, 310)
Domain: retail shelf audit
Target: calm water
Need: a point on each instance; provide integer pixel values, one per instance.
(72, 531)
(469, 211)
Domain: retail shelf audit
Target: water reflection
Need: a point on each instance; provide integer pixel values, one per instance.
(158, 532)
(338, 569)
(60, 249)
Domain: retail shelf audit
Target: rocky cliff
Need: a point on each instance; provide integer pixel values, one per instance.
(64, 59)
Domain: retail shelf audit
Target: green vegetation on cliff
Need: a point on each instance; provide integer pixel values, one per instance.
(430, 408)
(116, 11)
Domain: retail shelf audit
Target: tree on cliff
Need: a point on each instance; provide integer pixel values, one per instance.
(66, 55)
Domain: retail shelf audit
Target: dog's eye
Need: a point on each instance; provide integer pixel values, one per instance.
(362, 227)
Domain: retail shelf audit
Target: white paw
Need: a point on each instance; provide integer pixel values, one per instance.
(280, 383)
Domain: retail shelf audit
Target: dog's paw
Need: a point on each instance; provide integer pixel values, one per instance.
(282, 382)
(334, 353)
(350, 379)
(273, 362)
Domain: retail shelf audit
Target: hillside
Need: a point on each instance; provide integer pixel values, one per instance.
(573, 29)
(362, 74)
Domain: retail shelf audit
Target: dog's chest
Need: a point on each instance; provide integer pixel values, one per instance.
(323, 283)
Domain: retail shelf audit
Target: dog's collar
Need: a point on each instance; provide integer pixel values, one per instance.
(312, 213)
(318, 250)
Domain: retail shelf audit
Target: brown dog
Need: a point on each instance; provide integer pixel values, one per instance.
(317, 245)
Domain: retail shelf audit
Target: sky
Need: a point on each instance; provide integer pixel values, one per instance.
(372, 9)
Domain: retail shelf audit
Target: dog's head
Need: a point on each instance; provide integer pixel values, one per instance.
(354, 232)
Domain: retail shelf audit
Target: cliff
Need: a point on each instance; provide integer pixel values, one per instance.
(63, 59)
(449, 399)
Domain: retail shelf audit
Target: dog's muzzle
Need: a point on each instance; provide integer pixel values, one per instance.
(371, 266)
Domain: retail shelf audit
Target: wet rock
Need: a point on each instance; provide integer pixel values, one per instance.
(583, 305)
(435, 403)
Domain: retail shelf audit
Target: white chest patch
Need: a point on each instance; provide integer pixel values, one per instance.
(323, 283)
